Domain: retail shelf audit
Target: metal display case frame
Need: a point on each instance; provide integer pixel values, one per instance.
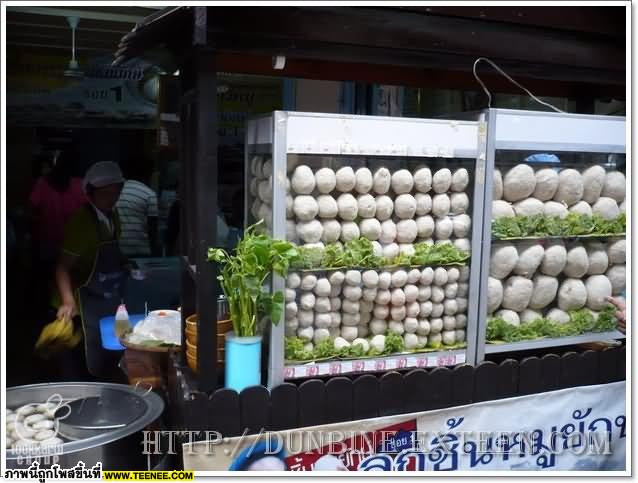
(283, 133)
(518, 130)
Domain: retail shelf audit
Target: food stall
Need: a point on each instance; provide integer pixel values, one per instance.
(307, 150)
(377, 191)
(554, 237)
(305, 190)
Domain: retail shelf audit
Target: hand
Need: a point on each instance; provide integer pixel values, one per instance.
(67, 310)
(619, 303)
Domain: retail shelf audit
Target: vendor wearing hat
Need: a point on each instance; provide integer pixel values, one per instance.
(91, 271)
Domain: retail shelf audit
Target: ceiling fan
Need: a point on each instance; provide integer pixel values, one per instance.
(74, 67)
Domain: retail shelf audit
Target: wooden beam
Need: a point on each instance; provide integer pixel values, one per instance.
(409, 77)
(606, 20)
(410, 33)
(90, 13)
(343, 53)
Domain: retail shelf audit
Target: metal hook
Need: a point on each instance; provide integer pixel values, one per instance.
(500, 71)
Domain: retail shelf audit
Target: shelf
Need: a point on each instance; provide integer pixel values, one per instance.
(560, 341)
(380, 267)
(377, 364)
(566, 237)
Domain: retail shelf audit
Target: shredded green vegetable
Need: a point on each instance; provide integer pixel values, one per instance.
(574, 224)
(360, 254)
(582, 321)
(294, 349)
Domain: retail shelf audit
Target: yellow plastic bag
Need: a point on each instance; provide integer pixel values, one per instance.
(56, 337)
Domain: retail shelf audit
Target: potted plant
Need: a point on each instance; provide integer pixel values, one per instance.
(243, 275)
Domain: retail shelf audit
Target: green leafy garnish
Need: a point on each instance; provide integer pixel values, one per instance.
(294, 349)
(574, 224)
(393, 343)
(581, 322)
(360, 254)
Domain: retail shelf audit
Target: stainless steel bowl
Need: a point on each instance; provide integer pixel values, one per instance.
(91, 416)
(115, 446)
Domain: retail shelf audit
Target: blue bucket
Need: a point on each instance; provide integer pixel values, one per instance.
(243, 361)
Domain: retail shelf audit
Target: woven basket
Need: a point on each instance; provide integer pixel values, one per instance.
(223, 326)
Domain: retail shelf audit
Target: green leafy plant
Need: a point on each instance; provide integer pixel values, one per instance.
(244, 273)
(581, 322)
(574, 224)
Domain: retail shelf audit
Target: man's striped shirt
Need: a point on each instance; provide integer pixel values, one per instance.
(137, 202)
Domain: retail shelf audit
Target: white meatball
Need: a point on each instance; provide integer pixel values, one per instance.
(442, 180)
(363, 180)
(349, 231)
(325, 180)
(390, 251)
(397, 297)
(370, 278)
(308, 282)
(414, 276)
(293, 280)
(305, 207)
(331, 231)
(353, 277)
(367, 206)
(405, 206)
(385, 279)
(399, 278)
(337, 278)
(402, 181)
(425, 226)
(383, 297)
(352, 293)
(381, 181)
(444, 227)
(459, 203)
(384, 207)
(310, 231)
(328, 207)
(423, 180)
(323, 320)
(348, 207)
(388, 232)
(370, 228)
(411, 293)
(423, 204)
(440, 205)
(406, 231)
(346, 179)
(460, 180)
(303, 180)
(322, 287)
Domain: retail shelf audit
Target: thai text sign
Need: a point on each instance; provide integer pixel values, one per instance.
(581, 428)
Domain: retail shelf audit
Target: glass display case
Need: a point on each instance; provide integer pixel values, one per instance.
(387, 216)
(554, 230)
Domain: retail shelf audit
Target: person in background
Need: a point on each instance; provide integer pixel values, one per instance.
(91, 272)
(138, 211)
(55, 197)
(621, 315)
